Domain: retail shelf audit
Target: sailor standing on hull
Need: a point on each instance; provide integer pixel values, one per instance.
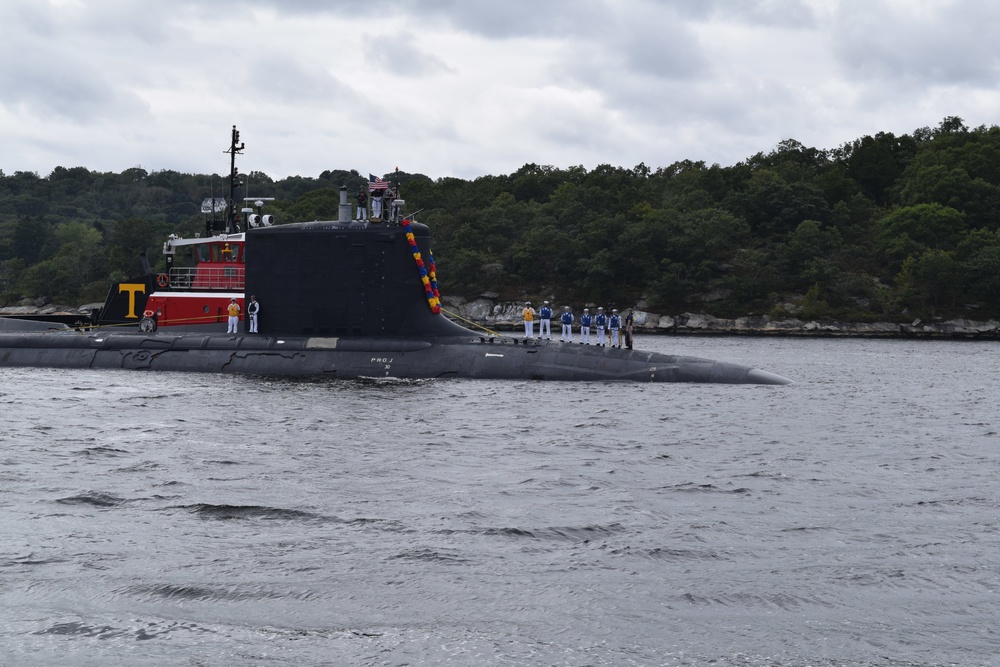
(615, 324)
(567, 322)
(545, 321)
(234, 315)
(252, 309)
(600, 322)
(389, 205)
(529, 320)
(585, 321)
(362, 203)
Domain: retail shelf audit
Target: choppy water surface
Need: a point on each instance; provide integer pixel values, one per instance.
(848, 519)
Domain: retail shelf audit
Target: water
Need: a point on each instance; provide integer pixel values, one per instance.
(848, 519)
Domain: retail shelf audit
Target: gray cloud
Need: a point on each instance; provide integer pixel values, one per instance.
(63, 89)
(944, 44)
(52, 83)
(658, 46)
(451, 87)
(399, 53)
(772, 13)
(271, 78)
(516, 18)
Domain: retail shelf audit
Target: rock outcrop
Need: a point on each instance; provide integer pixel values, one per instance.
(506, 316)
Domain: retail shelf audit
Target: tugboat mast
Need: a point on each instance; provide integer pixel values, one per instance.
(234, 148)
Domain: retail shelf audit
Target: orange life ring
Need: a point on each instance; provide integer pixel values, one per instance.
(148, 313)
(162, 280)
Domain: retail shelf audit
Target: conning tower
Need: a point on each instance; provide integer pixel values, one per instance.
(341, 278)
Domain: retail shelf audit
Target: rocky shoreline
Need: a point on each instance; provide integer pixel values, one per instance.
(506, 316)
(28, 311)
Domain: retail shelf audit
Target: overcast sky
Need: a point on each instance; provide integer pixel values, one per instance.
(473, 87)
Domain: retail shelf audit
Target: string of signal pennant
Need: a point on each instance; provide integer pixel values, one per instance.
(428, 271)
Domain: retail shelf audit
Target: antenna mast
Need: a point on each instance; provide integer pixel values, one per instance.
(234, 148)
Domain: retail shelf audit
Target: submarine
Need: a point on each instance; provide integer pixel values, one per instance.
(339, 299)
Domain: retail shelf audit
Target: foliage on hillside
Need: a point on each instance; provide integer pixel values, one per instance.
(883, 227)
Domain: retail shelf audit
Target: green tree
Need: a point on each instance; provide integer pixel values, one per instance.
(75, 271)
(126, 240)
(978, 255)
(753, 277)
(929, 280)
(814, 307)
(321, 204)
(773, 206)
(809, 254)
(876, 163)
(31, 239)
(911, 230)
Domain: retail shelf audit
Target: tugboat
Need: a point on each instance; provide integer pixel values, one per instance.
(202, 274)
(338, 298)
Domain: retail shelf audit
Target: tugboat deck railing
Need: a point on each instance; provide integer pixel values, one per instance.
(222, 278)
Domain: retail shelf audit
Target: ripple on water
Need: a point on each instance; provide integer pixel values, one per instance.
(236, 512)
(848, 519)
(93, 498)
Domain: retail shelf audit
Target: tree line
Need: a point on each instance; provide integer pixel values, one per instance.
(884, 227)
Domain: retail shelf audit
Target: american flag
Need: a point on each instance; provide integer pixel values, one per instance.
(376, 183)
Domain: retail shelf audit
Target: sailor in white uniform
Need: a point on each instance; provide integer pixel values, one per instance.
(615, 324)
(567, 322)
(252, 309)
(233, 310)
(600, 322)
(545, 321)
(585, 321)
(529, 320)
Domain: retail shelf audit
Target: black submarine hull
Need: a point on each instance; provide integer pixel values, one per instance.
(366, 357)
(348, 299)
